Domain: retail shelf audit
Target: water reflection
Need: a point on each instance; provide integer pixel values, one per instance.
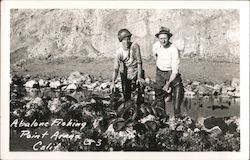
(216, 106)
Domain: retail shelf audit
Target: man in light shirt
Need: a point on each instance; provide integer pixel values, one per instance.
(168, 79)
(132, 76)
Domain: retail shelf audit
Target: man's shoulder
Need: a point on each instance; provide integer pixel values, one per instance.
(135, 45)
(173, 47)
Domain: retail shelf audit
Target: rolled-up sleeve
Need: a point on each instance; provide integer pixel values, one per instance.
(175, 60)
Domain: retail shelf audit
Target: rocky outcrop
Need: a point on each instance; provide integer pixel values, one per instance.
(54, 33)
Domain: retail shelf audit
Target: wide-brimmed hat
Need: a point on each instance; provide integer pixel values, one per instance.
(164, 30)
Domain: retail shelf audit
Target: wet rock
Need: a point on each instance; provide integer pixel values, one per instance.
(76, 78)
(172, 123)
(209, 83)
(180, 128)
(105, 85)
(147, 118)
(31, 84)
(71, 87)
(88, 79)
(43, 83)
(64, 81)
(230, 89)
(93, 85)
(203, 90)
(230, 93)
(196, 130)
(190, 94)
(27, 76)
(151, 126)
(200, 122)
(55, 105)
(119, 124)
(34, 103)
(236, 94)
(105, 102)
(227, 83)
(213, 121)
(54, 84)
(224, 90)
(118, 85)
(17, 112)
(214, 132)
(235, 82)
(196, 83)
(217, 87)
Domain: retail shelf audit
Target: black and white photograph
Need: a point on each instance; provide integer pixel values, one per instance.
(121, 79)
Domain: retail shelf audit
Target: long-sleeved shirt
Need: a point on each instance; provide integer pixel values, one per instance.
(167, 58)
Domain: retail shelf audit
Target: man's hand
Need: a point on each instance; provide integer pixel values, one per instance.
(112, 87)
(166, 87)
(140, 81)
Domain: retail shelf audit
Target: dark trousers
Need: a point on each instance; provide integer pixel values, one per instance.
(177, 90)
(130, 85)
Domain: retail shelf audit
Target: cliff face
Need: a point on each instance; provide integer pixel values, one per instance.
(44, 33)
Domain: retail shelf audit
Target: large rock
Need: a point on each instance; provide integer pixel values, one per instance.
(54, 84)
(54, 33)
(235, 82)
(76, 77)
(55, 105)
(31, 84)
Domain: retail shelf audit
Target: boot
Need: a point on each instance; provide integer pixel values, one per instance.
(178, 94)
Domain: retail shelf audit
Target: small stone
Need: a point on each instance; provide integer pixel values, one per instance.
(71, 87)
(224, 90)
(190, 94)
(217, 87)
(76, 77)
(196, 130)
(27, 76)
(231, 89)
(235, 82)
(147, 80)
(180, 128)
(43, 83)
(236, 94)
(55, 105)
(104, 85)
(196, 83)
(93, 85)
(31, 84)
(54, 84)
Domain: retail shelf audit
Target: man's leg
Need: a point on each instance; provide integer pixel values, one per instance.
(126, 87)
(160, 94)
(140, 93)
(178, 94)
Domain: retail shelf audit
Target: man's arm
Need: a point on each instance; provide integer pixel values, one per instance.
(115, 72)
(136, 48)
(175, 63)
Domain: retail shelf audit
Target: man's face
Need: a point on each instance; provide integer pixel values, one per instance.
(126, 42)
(164, 39)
